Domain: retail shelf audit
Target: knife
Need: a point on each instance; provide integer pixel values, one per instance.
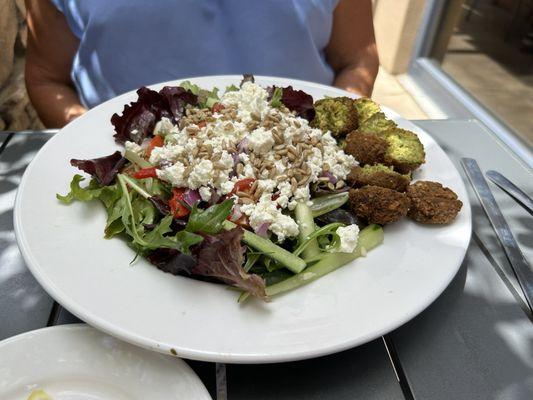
(512, 190)
(519, 264)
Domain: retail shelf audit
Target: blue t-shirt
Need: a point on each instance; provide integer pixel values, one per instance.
(125, 44)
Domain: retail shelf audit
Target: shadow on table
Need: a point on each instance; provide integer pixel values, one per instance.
(24, 305)
(473, 342)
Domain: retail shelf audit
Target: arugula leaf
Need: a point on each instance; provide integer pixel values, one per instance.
(137, 211)
(144, 210)
(209, 220)
(277, 95)
(114, 224)
(181, 241)
(92, 191)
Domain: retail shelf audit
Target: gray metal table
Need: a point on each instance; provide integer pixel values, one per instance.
(474, 342)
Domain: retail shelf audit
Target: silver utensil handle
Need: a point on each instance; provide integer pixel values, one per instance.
(519, 264)
(512, 190)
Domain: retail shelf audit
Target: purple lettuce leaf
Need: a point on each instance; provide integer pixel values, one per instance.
(160, 205)
(298, 101)
(104, 169)
(138, 119)
(295, 100)
(172, 261)
(221, 256)
(176, 99)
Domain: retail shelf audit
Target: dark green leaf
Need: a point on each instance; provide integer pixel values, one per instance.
(209, 220)
(181, 241)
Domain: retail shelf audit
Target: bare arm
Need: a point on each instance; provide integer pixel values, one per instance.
(352, 51)
(51, 49)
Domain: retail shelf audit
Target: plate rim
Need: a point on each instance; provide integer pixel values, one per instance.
(212, 356)
(75, 328)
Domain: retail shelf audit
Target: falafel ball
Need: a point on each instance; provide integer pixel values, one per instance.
(377, 123)
(379, 205)
(366, 148)
(378, 175)
(366, 108)
(432, 203)
(336, 114)
(405, 152)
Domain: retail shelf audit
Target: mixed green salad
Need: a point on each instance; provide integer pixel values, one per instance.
(248, 187)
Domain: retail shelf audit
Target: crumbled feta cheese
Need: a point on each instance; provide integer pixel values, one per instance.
(266, 185)
(163, 127)
(349, 236)
(205, 193)
(261, 141)
(166, 153)
(250, 99)
(248, 171)
(173, 174)
(266, 211)
(302, 193)
(227, 187)
(226, 160)
(133, 147)
(201, 174)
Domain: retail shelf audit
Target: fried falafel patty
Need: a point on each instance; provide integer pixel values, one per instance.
(337, 115)
(405, 152)
(366, 148)
(432, 203)
(378, 175)
(379, 205)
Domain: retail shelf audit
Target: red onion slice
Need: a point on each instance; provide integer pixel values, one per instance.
(243, 145)
(262, 229)
(236, 213)
(191, 196)
(330, 176)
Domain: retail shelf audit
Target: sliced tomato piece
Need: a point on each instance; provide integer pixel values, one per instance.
(243, 221)
(202, 124)
(144, 173)
(157, 141)
(244, 185)
(217, 107)
(175, 203)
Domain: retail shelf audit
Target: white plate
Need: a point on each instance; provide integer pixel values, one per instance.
(65, 250)
(74, 362)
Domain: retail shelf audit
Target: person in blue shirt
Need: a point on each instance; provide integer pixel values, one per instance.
(83, 52)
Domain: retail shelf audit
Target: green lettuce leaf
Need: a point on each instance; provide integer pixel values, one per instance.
(206, 98)
(209, 220)
(275, 101)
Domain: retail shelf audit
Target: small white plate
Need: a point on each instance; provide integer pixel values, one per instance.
(75, 362)
(92, 277)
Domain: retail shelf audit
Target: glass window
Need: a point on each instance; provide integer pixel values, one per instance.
(486, 46)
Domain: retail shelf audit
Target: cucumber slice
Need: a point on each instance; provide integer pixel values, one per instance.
(325, 204)
(369, 238)
(134, 158)
(289, 260)
(306, 225)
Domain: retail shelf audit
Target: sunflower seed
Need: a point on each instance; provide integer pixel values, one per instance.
(294, 185)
